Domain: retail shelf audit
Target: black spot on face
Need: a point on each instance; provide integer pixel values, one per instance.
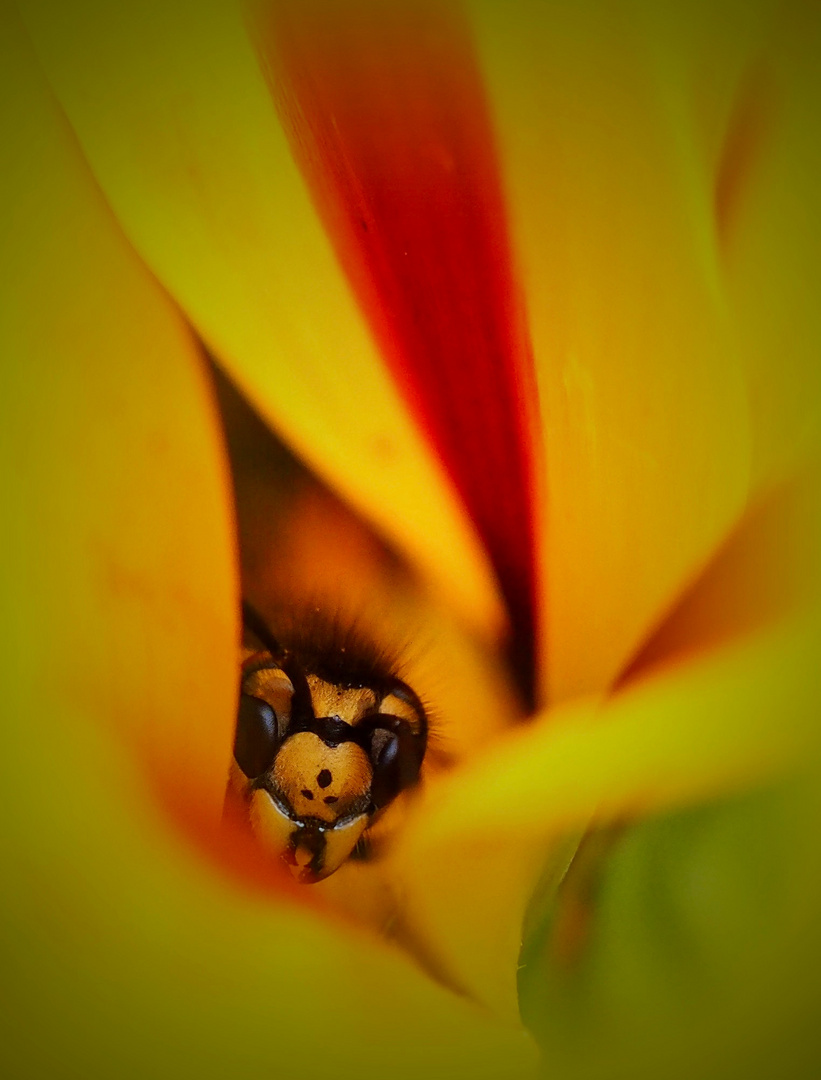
(324, 778)
(307, 794)
(330, 799)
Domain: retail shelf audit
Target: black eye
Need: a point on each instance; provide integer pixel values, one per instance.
(396, 754)
(257, 738)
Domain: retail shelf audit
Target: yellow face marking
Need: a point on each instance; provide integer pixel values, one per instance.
(271, 684)
(331, 700)
(318, 780)
(270, 824)
(393, 705)
(281, 838)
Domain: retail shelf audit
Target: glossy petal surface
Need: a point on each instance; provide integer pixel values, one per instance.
(387, 117)
(664, 196)
(187, 146)
(120, 557)
(642, 387)
(703, 718)
(476, 856)
(126, 950)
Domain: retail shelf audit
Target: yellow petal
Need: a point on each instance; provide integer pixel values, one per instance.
(693, 726)
(174, 115)
(119, 563)
(129, 956)
(772, 244)
(128, 952)
(643, 390)
(475, 857)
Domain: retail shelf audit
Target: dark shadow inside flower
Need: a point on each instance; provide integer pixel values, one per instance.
(306, 559)
(298, 543)
(385, 110)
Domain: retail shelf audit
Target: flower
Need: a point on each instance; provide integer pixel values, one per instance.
(661, 183)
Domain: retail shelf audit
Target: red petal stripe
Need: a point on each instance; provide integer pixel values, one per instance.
(388, 121)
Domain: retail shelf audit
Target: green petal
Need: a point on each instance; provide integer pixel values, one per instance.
(707, 718)
(696, 947)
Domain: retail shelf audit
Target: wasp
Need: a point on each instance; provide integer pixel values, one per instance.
(327, 737)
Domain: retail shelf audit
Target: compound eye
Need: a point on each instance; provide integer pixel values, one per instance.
(262, 716)
(384, 748)
(396, 758)
(257, 736)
